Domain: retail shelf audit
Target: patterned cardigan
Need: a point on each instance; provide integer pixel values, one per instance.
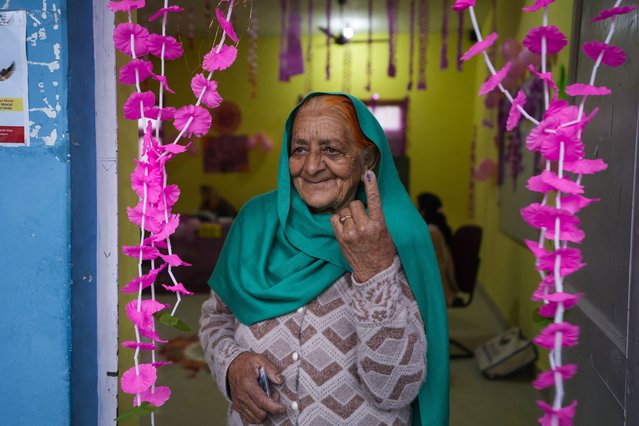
(355, 355)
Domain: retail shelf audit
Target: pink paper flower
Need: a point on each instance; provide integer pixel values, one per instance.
(143, 319)
(538, 4)
(613, 56)
(569, 335)
(125, 5)
(211, 97)
(174, 148)
(586, 167)
(153, 217)
(161, 363)
(563, 415)
(533, 246)
(551, 148)
(145, 281)
(127, 72)
(515, 114)
(555, 39)
(545, 287)
(463, 4)
(479, 47)
(548, 181)
(160, 395)
(574, 203)
(613, 11)
(146, 179)
(162, 79)
(133, 383)
(539, 216)
(558, 113)
(494, 80)
(200, 124)
(148, 253)
(226, 25)
(168, 228)
(131, 344)
(163, 11)
(171, 194)
(122, 38)
(178, 288)
(154, 111)
(580, 89)
(132, 110)
(173, 260)
(547, 378)
(545, 76)
(214, 61)
(172, 48)
(549, 309)
(570, 261)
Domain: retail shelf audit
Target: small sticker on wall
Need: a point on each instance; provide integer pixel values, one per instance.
(14, 89)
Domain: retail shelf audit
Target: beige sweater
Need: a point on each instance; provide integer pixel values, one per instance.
(355, 355)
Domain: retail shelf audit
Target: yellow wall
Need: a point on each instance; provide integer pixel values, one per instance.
(507, 271)
(439, 130)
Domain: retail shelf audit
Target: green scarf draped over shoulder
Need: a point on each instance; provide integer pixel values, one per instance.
(278, 256)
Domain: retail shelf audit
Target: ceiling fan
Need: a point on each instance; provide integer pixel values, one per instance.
(345, 36)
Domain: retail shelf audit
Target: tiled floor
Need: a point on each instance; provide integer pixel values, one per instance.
(474, 400)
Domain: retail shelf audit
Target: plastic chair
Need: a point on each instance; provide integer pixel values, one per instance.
(465, 252)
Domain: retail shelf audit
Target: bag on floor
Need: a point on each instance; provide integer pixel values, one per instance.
(505, 354)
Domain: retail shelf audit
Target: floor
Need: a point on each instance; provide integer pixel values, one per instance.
(473, 399)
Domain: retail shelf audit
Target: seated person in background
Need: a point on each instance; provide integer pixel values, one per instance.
(430, 207)
(213, 205)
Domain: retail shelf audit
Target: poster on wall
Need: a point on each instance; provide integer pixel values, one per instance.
(226, 153)
(14, 92)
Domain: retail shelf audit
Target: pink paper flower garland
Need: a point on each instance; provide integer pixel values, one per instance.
(153, 213)
(558, 138)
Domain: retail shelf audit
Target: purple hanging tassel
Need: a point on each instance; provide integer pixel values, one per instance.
(423, 44)
(328, 39)
(308, 59)
(294, 53)
(443, 63)
(460, 39)
(283, 74)
(391, 7)
(411, 50)
(369, 48)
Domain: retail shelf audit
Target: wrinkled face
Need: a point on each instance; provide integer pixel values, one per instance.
(325, 164)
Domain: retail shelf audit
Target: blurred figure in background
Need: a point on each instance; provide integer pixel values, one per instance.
(213, 205)
(431, 209)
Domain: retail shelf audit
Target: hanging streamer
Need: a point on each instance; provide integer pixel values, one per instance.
(369, 48)
(308, 58)
(411, 51)
(294, 53)
(283, 74)
(347, 63)
(391, 7)
(328, 39)
(423, 44)
(443, 62)
(460, 39)
(252, 53)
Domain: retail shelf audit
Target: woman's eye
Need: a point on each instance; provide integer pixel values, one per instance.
(330, 150)
(298, 150)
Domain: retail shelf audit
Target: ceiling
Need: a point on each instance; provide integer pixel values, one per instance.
(198, 14)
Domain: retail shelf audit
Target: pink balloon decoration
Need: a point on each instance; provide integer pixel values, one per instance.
(486, 169)
(510, 48)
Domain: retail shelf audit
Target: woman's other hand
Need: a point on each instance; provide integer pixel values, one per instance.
(249, 400)
(364, 238)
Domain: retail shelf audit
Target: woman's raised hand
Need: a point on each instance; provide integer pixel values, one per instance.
(364, 238)
(249, 400)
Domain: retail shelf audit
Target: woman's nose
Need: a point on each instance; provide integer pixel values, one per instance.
(314, 162)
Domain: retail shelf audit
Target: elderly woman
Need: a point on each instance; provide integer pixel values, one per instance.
(330, 284)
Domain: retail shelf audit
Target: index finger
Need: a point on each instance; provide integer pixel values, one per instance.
(372, 195)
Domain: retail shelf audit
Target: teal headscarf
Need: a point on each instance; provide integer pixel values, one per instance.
(279, 256)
